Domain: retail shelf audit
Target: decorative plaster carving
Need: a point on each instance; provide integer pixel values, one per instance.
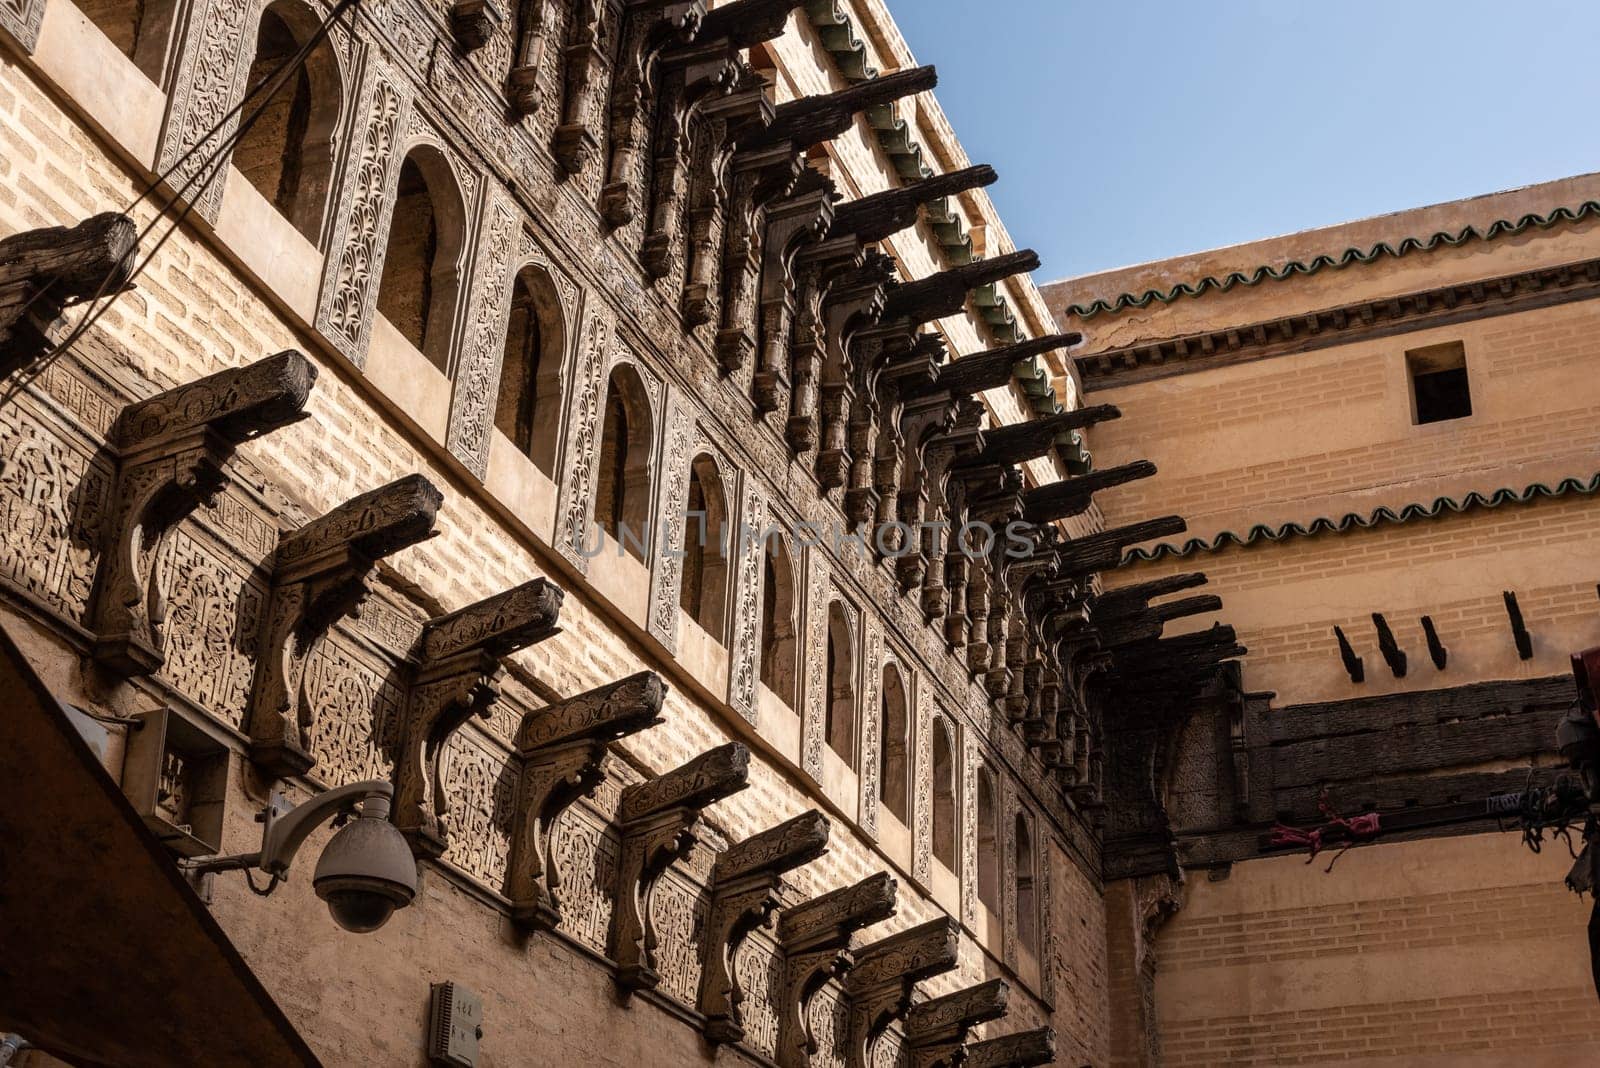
(745, 647)
(936, 1030)
(816, 937)
(885, 974)
(871, 715)
(667, 573)
(744, 893)
(210, 80)
(562, 748)
(813, 654)
(21, 19)
(459, 667)
(320, 574)
(171, 451)
(657, 819)
(575, 505)
(477, 377)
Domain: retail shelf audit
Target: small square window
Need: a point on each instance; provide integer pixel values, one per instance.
(1439, 388)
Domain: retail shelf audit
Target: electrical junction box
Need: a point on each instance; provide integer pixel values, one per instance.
(455, 1025)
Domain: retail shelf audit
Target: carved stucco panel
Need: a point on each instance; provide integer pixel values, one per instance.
(363, 213)
(585, 859)
(480, 784)
(575, 502)
(759, 967)
(477, 376)
(871, 714)
(922, 847)
(813, 655)
(21, 19)
(747, 637)
(210, 80)
(667, 573)
(678, 911)
(1011, 807)
(356, 703)
(215, 604)
(54, 491)
(969, 829)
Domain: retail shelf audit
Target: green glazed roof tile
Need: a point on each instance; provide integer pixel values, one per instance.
(1349, 257)
(1350, 521)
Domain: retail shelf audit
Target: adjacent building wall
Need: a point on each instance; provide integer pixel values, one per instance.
(1276, 402)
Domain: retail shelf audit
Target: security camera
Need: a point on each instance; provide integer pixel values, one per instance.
(366, 870)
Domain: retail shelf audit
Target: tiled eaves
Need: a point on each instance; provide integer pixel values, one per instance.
(1352, 521)
(1349, 257)
(1380, 317)
(837, 32)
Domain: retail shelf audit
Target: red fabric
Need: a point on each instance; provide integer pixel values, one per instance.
(1357, 828)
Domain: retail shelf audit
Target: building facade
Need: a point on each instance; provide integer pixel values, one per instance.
(1382, 437)
(420, 437)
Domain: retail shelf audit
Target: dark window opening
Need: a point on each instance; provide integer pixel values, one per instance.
(1439, 387)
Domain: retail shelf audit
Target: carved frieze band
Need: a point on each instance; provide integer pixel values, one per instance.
(922, 833)
(365, 208)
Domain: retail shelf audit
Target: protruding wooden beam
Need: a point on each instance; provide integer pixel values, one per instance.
(816, 939)
(1073, 496)
(1140, 593)
(744, 893)
(561, 747)
(459, 670)
(1017, 443)
(881, 983)
(320, 573)
(43, 272)
(1353, 665)
(939, 295)
(1103, 551)
(971, 375)
(872, 218)
(1519, 630)
(1025, 1049)
(743, 23)
(171, 453)
(1139, 624)
(811, 120)
(1436, 650)
(1393, 655)
(657, 818)
(936, 1030)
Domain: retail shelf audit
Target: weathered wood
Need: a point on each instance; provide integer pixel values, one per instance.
(875, 217)
(1519, 630)
(1017, 443)
(945, 293)
(743, 23)
(992, 369)
(43, 272)
(1073, 496)
(812, 120)
(1025, 1049)
(1436, 650)
(1353, 664)
(1393, 655)
(1103, 552)
(936, 1029)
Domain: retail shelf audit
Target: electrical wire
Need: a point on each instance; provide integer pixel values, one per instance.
(203, 175)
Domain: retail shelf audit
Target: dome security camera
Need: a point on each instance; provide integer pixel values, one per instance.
(366, 871)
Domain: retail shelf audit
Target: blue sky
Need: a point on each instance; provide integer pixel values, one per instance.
(1131, 130)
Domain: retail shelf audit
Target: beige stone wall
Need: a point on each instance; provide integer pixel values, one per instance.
(1465, 952)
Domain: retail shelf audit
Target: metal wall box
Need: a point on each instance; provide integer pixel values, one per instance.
(176, 777)
(455, 1024)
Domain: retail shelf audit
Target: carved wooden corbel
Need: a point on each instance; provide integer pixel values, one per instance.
(757, 178)
(944, 511)
(1025, 1049)
(171, 450)
(657, 822)
(791, 224)
(816, 938)
(885, 975)
(459, 668)
(816, 267)
(43, 272)
(320, 573)
(530, 42)
(841, 294)
(744, 894)
(574, 144)
(561, 747)
(648, 28)
(855, 304)
(474, 22)
(936, 1030)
